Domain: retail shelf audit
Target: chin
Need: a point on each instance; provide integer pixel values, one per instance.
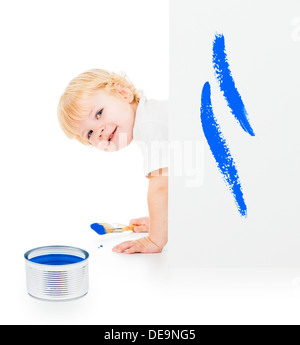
(122, 144)
(118, 148)
(114, 147)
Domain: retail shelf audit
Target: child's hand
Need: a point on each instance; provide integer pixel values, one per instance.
(143, 245)
(142, 224)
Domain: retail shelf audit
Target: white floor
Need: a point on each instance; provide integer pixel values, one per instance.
(143, 289)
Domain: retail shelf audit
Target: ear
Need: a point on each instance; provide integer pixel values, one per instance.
(125, 92)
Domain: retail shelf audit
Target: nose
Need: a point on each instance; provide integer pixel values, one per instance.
(101, 132)
(97, 135)
(99, 139)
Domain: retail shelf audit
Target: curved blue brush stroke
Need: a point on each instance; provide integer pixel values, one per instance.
(220, 150)
(227, 85)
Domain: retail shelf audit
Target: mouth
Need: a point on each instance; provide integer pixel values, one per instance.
(112, 135)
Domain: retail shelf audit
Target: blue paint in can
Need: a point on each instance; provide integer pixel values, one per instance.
(56, 259)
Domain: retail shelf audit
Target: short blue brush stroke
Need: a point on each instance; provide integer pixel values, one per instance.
(220, 150)
(227, 85)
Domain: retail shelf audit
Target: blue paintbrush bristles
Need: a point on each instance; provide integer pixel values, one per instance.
(98, 228)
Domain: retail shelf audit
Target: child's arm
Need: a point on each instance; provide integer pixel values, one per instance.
(158, 212)
(158, 207)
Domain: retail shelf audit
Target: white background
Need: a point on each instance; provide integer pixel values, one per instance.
(53, 188)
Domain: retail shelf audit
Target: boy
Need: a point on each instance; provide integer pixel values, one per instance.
(105, 110)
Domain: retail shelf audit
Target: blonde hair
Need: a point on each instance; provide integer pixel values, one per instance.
(73, 104)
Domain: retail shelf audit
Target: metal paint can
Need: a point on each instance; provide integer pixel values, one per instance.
(57, 273)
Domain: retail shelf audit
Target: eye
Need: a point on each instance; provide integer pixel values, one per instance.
(89, 134)
(99, 114)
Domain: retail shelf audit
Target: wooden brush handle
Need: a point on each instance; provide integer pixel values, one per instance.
(129, 227)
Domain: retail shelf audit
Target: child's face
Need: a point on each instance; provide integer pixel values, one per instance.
(109, 125)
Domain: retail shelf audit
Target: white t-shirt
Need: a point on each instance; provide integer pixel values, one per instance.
(150, 132)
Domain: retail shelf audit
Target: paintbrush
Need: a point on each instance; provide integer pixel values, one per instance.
(105, 228)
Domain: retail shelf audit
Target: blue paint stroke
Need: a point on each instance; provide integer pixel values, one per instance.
(227, 85)
(220, 150)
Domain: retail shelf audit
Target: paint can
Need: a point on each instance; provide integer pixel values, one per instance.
(57, 273)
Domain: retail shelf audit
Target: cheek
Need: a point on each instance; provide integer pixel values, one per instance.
(93, 140)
